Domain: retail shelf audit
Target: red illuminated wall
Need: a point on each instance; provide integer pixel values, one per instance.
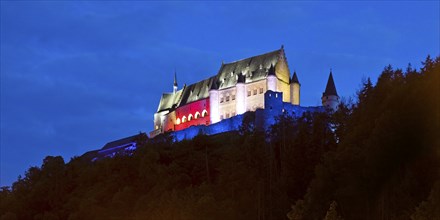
(190, 110)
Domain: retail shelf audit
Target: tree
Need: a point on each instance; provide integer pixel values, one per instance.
(297, 212)
(332, 214)
(247, 126)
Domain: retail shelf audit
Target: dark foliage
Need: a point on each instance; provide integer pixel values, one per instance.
(387, 160)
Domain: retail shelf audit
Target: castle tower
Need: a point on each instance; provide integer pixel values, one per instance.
(272, 79)
(214, 114)
(240, 94)
(295, 87)
(330, 98)
(175, 83)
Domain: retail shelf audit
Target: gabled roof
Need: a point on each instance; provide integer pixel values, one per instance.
(330, 89)
(187, 94)
(196, 91)
(169, 100)
(254, 68)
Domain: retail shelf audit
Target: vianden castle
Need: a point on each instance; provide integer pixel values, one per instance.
(261, 83)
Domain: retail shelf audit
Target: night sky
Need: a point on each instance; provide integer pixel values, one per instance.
(76, 75)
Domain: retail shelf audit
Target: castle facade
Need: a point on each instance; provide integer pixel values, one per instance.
(238, 87)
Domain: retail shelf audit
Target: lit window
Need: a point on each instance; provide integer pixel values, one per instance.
(255, 91)
(157, 126)
(204, 113)
(227, 98)
(178, 121)
(249, 93)
(261, 90)
(233, 97)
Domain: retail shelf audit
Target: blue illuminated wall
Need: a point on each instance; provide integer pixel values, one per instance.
(264, 118)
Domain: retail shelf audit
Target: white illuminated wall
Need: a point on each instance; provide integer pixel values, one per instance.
(213, 105)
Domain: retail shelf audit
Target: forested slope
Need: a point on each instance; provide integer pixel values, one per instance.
(375, 158)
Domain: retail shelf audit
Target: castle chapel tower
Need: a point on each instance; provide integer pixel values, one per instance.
(330, 98)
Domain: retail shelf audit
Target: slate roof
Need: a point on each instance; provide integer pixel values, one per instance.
(169, 100)
(254, 68)
(330, 89)
(112, 148)
(196, 91)
(186, 95)
(120, 142)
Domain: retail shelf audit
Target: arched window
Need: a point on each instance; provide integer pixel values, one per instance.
(190, 117)
(204, 113)
(178, 121)
(197, 115)
(183, 119)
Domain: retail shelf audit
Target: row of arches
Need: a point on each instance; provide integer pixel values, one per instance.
(191, 117)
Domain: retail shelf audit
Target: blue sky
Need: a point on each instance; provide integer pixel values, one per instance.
(75, 75)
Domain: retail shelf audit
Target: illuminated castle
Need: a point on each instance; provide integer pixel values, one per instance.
(237, 88)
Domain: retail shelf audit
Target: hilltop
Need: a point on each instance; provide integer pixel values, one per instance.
(376, 157)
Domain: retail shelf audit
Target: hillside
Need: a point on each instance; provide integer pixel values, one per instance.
(375, 158)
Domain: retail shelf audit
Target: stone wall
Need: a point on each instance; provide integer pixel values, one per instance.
(264, 118)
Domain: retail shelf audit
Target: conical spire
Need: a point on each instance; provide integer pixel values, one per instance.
(175, 82)
(175, 78)
(330, 89)
(294, 78)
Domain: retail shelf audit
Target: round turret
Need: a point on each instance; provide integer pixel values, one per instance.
(214, 115)
(295, 87)
(272, 79)
(330, 98)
